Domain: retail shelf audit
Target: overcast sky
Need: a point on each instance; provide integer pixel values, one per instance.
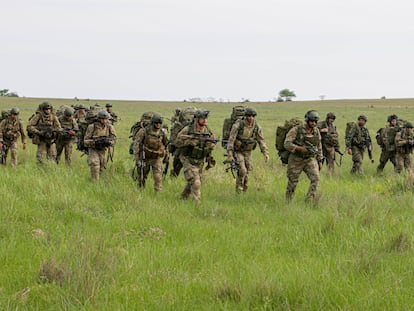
(229, 49)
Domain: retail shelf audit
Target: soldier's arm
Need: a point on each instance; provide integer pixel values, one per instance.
(290, 138)
(75, 124)
(348, 140)
(56, 124)
(112, 134)
(164, 137)
(399, 140)
(182, 140)
(88, 139)
(32, 126)
(232, 137)
(22, 133)
(261, 140)
(138, 140)
(319, 157)
(2, 124)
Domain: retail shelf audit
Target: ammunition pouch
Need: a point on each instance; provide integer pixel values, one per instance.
(153, 154)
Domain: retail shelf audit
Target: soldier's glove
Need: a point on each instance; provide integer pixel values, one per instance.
(301, 149)
(266, 156)
(211, 162)
(230, 158)
(71, 132)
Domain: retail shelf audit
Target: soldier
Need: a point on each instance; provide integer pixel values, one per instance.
(404, 141)
(112, 115)
(388, 148)
(67, 136)
(99, 136)
(44, 127)
(150, 151)
(244, 136)
(357, 140)
(80, 113)
(305, 147)
(330, 143)
(10, 130)
(175, 116)
(196, 142)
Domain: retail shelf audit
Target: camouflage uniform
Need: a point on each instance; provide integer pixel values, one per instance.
(45, 128)
(242, 140)
(97, 156)
(306, 162)
(66, 138)
(10, 130)
(357, 140)
(330, 143)
(193, 151)
(404, 141)
(80, 115)
(388, 148)
(149, 152)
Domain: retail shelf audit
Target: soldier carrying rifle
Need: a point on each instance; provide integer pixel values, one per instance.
(99, 137)
(10, 130)
(245, 134)
(404, 141)
(67, 136)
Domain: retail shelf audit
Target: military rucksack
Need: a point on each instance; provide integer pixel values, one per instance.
(236, 114)
(61, 110)
(348, 128)
(143, 122)
(186, 117)
(281, 132)
(379, 136)
(91, 117)
(4, 115)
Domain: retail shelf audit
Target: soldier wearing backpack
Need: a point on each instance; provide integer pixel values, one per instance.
(305, 147)
(10, 130)
(388, 147)
(404, 141)
(357, 140)
(150, 150)
(67, 136)
(330, 143)
(245, 134)
(44, 127)
(99, 136)
(195, 143)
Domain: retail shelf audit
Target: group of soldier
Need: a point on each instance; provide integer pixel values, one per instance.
(309, 145)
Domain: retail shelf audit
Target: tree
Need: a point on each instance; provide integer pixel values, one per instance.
(287, 94)
(4, 92)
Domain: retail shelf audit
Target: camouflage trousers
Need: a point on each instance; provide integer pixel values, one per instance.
(385, 156)
(245, 167)
(46, 150)
(357, 157)
(193, 172)
(177, 166)
(143, 171)
(13, 146)
(96, 162)
(67, 145)
(329, 155)
(403, 160)
(295, 167)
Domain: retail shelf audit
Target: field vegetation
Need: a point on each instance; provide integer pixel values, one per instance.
(68, 243)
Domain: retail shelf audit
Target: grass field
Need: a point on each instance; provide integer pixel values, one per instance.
(70, 244)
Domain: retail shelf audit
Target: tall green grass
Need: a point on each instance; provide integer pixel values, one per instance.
(71, 244)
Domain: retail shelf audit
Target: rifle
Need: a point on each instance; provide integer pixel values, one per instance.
(141, 164)
(48, 132)
(409, 145)
(368, 143)
(340, 159)
(167, 164)
(312, 149)
(232, 166)
(3, 153)
(110, 156)
(65, 133)
(101, 142)
(203, 137)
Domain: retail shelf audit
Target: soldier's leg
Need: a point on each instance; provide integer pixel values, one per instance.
(399, 162)
(383, 160)
(41, 152)
(241, 173)
(93, 162)
(330, 158)
(102, 160)
(311, 169)
(59, 149)
(68, 153)
(357, 157)
(295, 167)
(177, 166)
(249, 166)
(407, 162)
(51, 152)
(188, 177)
(157, 173)
(13, 152)
(196, 186)
(393, 159)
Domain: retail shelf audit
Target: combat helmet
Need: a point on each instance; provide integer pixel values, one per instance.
(108, 105)
(102, 115)
(201, 113)
(330, 115)
(392, 117)
(68, 112)
(45, 105)
(363, 117)
(250, 111)
(312, 115)
(156, 118)
(14, 111)
(408, 124)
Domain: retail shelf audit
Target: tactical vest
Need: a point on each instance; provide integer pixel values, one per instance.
(302, 136)
(246, 141)
(360, 138)
(388, 138)
(12, 130)
(153, 143)
(405, 149)
(202, 149)
(329, 138)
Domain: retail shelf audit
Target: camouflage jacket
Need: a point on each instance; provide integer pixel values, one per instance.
(68, 125)
(195, 143)
(11, 130)
(152, 141)
(301, 135)
(388, 137)
(329, 138)
(358, 136)
(404, 142)
(98, 130)
(244, 137)
(41, 122)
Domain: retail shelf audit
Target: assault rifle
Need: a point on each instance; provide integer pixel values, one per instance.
(409, 145)
(3, 153)
(368, 143)
(101, 142)
(141, 165)
(203, 137)
(65, 133)
(312, 149)
(232, 166)
(48, 132)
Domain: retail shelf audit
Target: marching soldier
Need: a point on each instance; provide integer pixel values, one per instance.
(10, 130)
(67, 136)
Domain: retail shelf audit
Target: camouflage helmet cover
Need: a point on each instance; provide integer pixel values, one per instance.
(331, 115)
(156, 118)
(14, 111)
(250, 111)
(392, 117)
(201, 113)
(103, 115)
(108, 105)
(46, 105)
(363, 117)
(408, 124)
(68, 112)
(311, 115)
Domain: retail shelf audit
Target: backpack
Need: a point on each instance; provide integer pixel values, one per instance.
(4, 115)
(281, 132)
(236, 114)
(61, 110)
(349, 125)
(379, 136)
(185, 117)
(143, 122)
(91, 117)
